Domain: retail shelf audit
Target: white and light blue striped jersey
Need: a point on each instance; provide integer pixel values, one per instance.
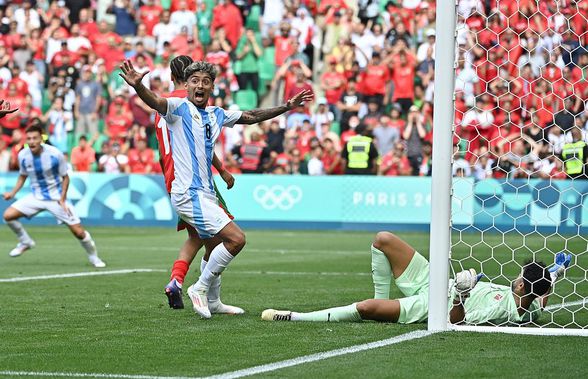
(192, 133)
(45, 171)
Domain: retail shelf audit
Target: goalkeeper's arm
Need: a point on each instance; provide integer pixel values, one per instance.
(465, 281)
(457, 313)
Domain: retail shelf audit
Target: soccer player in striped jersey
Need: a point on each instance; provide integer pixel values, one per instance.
(173, 290)
(193, 129)
(46, 169)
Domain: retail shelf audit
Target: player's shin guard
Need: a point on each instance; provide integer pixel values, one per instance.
(217, 262)
(179, 270)
(214, 290)
(345, 313)
(381, 274)
(88, 244)
(19, 230)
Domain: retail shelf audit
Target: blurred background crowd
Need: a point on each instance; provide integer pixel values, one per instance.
(520, 103)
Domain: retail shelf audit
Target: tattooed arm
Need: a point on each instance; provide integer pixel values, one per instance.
(258, 115)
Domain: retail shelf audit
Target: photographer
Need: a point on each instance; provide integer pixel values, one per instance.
(414, 134)
(113, 161)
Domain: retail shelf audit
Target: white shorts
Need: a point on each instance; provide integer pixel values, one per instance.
(30, 206)
(202, 211)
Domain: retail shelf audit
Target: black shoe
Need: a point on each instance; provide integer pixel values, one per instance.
(174, 295)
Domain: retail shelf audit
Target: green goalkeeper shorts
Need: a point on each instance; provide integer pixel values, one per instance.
(414, 284)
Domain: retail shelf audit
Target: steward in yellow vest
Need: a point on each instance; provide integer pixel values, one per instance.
(575, 155)
(360, 155)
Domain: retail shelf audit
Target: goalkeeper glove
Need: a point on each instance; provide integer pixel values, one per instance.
(561, 262)
(465, 281)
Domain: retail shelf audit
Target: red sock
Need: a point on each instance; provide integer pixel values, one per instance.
(179, 270)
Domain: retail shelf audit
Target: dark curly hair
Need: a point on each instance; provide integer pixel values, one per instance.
(536, 279)
(178, 67)
(200, 66)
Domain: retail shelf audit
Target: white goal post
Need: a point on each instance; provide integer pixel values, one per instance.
(545, 230)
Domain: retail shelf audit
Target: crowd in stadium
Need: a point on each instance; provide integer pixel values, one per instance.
(521, 82)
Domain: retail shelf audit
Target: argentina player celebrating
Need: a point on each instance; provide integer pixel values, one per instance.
(193, 129)
(46, 168)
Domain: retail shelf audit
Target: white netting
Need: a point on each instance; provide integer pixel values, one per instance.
(520, 190)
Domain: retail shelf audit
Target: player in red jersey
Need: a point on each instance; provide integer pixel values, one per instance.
(190, 248)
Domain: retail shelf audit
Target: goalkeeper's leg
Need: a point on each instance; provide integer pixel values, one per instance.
(390, 256)
(372, 309)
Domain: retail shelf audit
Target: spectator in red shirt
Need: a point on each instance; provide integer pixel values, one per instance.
(375, 79)
(395, 162)
(283, 44)
(175, 5)
(301, 84)
(216, 55)
(227, 16)
(149, 14)
(60, 56)
(331, 158)
(326, 5)
(333, 83)
(141, 158)
(88, 27)
(403, 73)
(179, 43)
(119, 122)
(305, 135)
(104, 40)
(21, 86)
(82, 156)
(28, 112)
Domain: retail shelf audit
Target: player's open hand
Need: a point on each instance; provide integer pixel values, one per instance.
(228, 178)
(130, 75)
(5, 108)
(299, 99)
(7, 195)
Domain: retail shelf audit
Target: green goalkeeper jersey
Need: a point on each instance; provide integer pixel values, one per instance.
(493, 303)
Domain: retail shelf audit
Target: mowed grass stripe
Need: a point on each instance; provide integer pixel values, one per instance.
(85, 375)
(78, 274)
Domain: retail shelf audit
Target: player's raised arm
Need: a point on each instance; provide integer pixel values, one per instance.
(258, 115)
(133, 78)
(5, 108)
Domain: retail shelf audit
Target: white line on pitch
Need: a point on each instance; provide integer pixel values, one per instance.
(239, 373)
(85, 375)
(78, 274)
(568, 304)
(295, 273)
(320, 356)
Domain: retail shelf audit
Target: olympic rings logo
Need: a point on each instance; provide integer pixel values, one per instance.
(277, 196)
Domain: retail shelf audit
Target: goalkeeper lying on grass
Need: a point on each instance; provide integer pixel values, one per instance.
(471, 301)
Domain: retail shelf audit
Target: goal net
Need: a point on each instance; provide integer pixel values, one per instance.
(518, 191)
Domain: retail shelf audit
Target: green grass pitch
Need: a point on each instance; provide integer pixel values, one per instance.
(121, 324)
